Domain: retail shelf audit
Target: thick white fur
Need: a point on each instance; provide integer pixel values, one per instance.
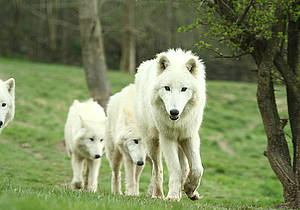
(84, 136)
(7, 102)
(178, 139)
(122, 141)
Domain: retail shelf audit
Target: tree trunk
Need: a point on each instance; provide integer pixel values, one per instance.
(128, 59)
(170, 23)
(17, 16)
(51, 24)
(64, 35)
(293, 96)
(277, 152)
(93, 51)
(277, 148)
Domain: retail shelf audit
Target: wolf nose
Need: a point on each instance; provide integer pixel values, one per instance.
(97, 156)
(1, 123)
(174, 112)
(140, 163)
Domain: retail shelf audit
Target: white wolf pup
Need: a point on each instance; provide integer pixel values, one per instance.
(7, 102)
(170, 100)
(84, 136)
(122, 141)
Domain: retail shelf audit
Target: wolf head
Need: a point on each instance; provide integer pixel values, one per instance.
(90, 140)
(7, 106)
(134, 146)
(131, 140)
(180, 80)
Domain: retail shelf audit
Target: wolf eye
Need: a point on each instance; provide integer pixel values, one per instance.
(183, 89)
(167, 88)
(92, 139)
(101, 140)
(3, 105)
(136, 141)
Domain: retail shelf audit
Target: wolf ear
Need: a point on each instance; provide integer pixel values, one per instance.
(75, 102)
(163, 63)
(82, 123)
(128, 115)
(10, 83)
(79, 133)
(191, 65)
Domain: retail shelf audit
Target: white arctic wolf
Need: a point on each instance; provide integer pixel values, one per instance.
(123, 142)
(84, 136)
(7, 102)
(170, 100)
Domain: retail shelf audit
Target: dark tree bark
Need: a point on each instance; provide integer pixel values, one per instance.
(128, 59)
(93, 51)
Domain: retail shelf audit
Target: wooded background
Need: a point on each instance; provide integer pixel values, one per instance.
(48, 31)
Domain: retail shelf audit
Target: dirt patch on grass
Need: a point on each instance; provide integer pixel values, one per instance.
(229, 96)
(3, 140)
(27, 146)
(61, 146)
(41, 101)
(219, 139)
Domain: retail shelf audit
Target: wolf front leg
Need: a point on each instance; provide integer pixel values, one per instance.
(150, 186)
(184, 164)
(129, 175)
(170, 152)
(77, 166)
(115, 164)
(157, 169)
(191, 148)
(138, 171)
(93, 172)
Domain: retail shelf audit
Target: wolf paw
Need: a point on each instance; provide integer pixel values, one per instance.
(173, 198)
(92, 188)
(194, 196)
(131, 193)
(76, 185)
(157, 196)
(117, 193)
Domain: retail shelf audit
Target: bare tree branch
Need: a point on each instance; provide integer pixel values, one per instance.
(288, 74)
(221, 55)
(242, 17)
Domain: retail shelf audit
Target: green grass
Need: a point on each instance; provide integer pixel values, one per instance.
(35, 170)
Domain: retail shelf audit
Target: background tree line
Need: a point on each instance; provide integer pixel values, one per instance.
(48, 31)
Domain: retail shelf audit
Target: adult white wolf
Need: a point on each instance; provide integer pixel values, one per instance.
(7, 102)
(84, 136)
(170, 100)
(123, 143)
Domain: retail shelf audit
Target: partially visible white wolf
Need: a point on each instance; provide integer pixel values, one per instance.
(170, 100)
(7, 102)
(122, 141)
(84, 136)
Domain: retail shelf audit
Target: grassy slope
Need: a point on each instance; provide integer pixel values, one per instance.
(35, 170)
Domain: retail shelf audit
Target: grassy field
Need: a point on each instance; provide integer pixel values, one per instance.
(35, 171)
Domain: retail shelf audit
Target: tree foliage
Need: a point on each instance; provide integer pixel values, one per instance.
(240, 23)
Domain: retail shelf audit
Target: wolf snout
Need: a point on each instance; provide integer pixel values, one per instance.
(1, 123)
(97, 156)
(174, 114)
(140, 163)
